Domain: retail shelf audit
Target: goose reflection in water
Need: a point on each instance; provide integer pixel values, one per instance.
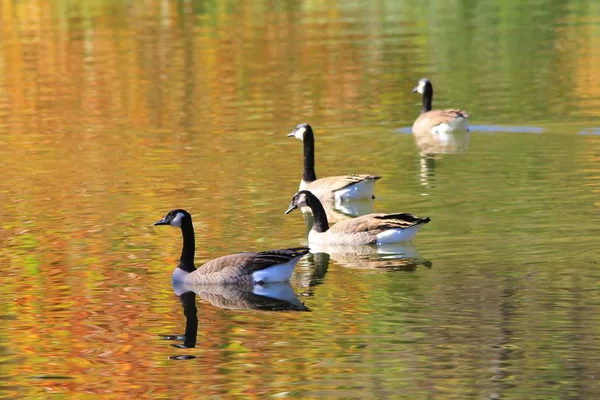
(430, 144)
(394, 257)
(443, 131)
(312, 272)
(389, 257)
(433, 146)
(266, 297)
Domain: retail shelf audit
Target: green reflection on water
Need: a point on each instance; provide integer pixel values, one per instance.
(112, 114)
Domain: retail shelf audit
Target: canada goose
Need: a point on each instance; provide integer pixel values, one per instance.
(368, 229)
(437, 122)
(339, 188)
(235, 269)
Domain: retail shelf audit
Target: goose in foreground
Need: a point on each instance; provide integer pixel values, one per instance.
(368, 229)
(235, 269)
(437, 122)
(339, 188)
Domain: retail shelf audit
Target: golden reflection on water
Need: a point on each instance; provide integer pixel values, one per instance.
(112, 113)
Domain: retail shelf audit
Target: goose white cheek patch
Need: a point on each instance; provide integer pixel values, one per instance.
(299, 134)
(177, 220)
(302, 201)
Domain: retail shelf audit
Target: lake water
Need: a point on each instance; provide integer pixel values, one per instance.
(113, 113)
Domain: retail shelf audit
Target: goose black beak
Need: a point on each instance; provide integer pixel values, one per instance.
(291, 134)
(161, 222)
(291, 208)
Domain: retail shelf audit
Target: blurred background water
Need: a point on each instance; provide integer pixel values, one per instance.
(112, 113)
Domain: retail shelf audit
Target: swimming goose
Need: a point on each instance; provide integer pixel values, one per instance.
(235, 269)
(368, 229)
(437, 122)
(339, 188)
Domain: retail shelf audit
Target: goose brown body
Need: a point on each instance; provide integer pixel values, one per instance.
(437, 121)
(239, 269)
(430, 119)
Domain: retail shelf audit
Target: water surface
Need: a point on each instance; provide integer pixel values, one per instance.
(111, 114)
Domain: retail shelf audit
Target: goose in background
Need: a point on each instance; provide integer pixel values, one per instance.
(235, 269)
(338, 188)
(438, 123)
(438, 132)
(368, 229)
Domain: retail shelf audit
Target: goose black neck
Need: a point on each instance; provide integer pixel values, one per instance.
(427, 98)
(319, 216)
(186, 261)
(309, 174)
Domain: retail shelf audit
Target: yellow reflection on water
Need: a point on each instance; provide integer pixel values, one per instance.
(113, 113)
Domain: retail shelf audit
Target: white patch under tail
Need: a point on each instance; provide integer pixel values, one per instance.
(276, 273)
(459, 124)
(398, 235)
(357, 191)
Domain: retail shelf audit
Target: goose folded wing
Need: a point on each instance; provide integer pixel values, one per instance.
(334, 183)
(377, 223)
(246, 263)
(441, 116)
(230, 264)
(266, 259)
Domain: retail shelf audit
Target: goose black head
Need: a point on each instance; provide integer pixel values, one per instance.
(175, 218)
(300, 131)
(423, 86)
(298, 200)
